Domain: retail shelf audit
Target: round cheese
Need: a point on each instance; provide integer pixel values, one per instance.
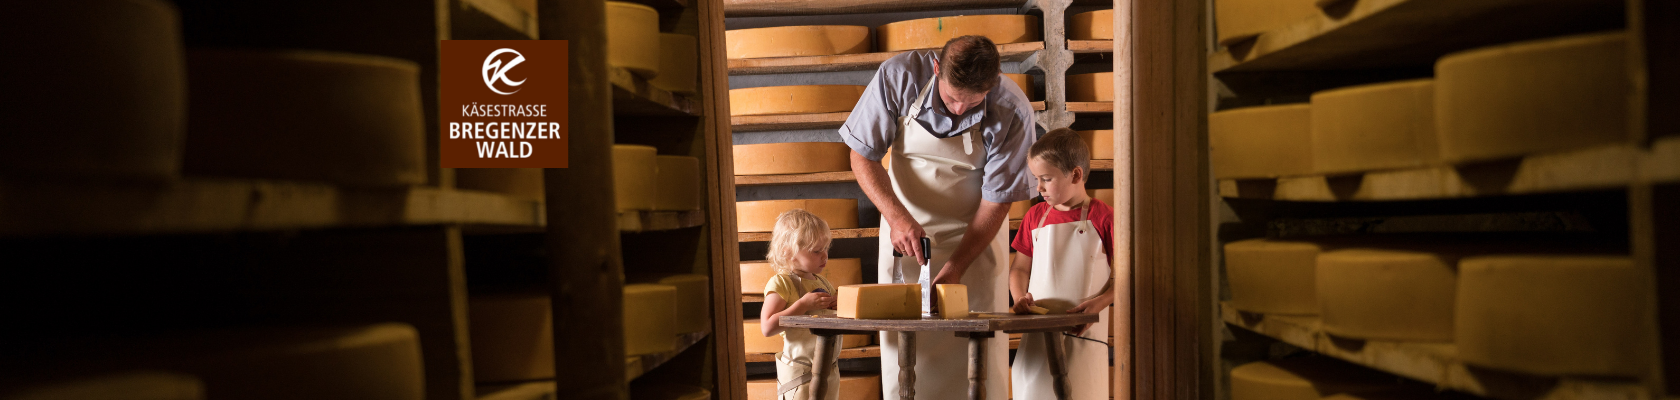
(136, 385)
(633, 38)
(760, 216)
(1091, 87)
(796, 41)
(694, 301)
(102, 92)
(679, 59)
(932, 33)
(801, 99)
(1537, 96)
(305, 115)
(1018, 209)
(792, 158)
(635, 176)
(757, 343)
(1307, 378)
(839, 271)
(1101, 143)
(1261, 142)
(1272, 276)
(1556, 315)
(1239, 20)
(1374, 127)
(512, 337)
(524, 183)
(1399, 295)
(1106, 195)
(649, 318)
(679, 184)
(1023, 81)
(1094, 25)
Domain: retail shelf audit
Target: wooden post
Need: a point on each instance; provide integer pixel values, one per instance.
(819, 369)
(1058, 363)
(1054, 60)
(977, 364)
(907, 365)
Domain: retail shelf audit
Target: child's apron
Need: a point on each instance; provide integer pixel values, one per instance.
(1068, 267)
(799, 347)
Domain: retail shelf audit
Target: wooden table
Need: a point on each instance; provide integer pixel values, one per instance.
(977, 329)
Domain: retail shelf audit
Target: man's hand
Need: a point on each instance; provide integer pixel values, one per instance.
(907, 238)
(949, 274)
(1022, 304)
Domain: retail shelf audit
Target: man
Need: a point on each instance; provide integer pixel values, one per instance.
(958, 133)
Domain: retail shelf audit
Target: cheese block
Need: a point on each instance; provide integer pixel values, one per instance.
(1307, 378)
(679, 60)
(1101, 143)
(1374, 127)
(839, 272)
(1401, 295)
(953, 300)
(668, 391)
(932, 33)
(694, 301)
(1273, 276)
(796, 41)
(760, 216)
(1537, 96)
(650, 324)
(792, 158)
(1018, 210)
(678, 183)
(635, 176)
(104, 95)
(1091, 87)
(633, 38)
(522, 183)
(880, 301)
(133, 385)
(799, 99)
(1240, 20)
(305, 115)
(1261, 142)
(1556, 315)
(1093, 25)
(512, 337)
(853, 386)
(1024, 82)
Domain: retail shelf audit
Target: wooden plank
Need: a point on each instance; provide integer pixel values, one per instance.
(979, 322)
(1038, 106)
(633, 95)
(871, 351)
(651, 362)
(1091, 107)
(645, 221)
(1091, 46)
(1124, 365)
(765, 8)
(544, 390)
(729, 376)
(1014, 224)
(1010, 52)
(1102, 165)
(793, 179)
(756, 123)
(851, 233)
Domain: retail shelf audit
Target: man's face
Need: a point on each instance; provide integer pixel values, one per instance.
(958, 101)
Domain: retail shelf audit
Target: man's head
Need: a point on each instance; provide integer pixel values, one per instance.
(968, 69)
(1061, 163)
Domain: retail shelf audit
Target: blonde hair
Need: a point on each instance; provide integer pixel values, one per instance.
(795, 230)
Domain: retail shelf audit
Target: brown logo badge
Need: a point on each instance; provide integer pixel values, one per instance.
(504, 104)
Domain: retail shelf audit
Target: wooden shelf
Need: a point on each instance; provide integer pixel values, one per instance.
(1369, 34)
(794, 179)
(767, 8)
(1102, 165)
(1429, 362)
(1091, 46)
(653, 361)
(870, 351)
(545, 390)
(1038, 106)
(1011, 52)
(663, 4)
(644, 221)
(493, 19)
(1014, 224)
(757, 123)
(1091, 107)
(633, 95)
(836, 234)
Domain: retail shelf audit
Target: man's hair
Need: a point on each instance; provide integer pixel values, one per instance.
(1064, 149)
(970, 63)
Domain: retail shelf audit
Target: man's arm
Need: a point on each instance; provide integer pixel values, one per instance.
(872, 178)
(980, 233)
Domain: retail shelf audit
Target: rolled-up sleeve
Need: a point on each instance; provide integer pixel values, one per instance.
(1007, 179)
(873, 125)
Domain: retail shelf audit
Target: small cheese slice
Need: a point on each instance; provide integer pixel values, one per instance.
(135, 385)
(1024, 82)
(679, 59)
(792, 158)
(953, 300)
(1239, 20)
(1101, 143)
(635, 176)
(1261, 142)
(839, 272)
(678, 183)
(693, 301)
(796, 41)
(1374, 127)
(1093, 25)
(1091, 87)
(649, 321)
(522, 183)
(512, 337)
(880, 301)
(1038, 310)
(1402, 295)
(760, 216)
(799, 99)
(932, 33)
(1536, 96)
(633, 38)
(1556, 315)
(1273, 276)
(1307, 378)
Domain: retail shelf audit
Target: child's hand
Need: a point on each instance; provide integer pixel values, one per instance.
(1022, 304)
(815, 301)
(1091, 305)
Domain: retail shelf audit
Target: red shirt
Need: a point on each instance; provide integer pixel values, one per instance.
(1102, 216)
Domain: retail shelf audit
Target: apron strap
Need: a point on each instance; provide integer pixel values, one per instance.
(1084, 211)
(795, 383)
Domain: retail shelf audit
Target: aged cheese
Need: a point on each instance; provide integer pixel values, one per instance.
(1556, 315)
(105, 95)
(1272, 276)
(839, 272)
(932, 33)
(1023, 81)
(1106, 195)
(524, 183)
(760, 216)
(1018, 209)
(953, 300)
(799, 99)
(678, 183)
(1545, 95)
(1091, 87)
(1101, 143)
(796, 41)
(635, 176)
(1094, 25)
(1374, 127)
(305, 115)
(679, 59)
(512, 337)
(1239, 20)
(649, 321)
(135, 385)
(1038, 310)
(693, 301)
(880, 301)
(1309, 378)
(792, 158)
(633, 38)
(1399, 295)
(1261, 142)
(853, 386)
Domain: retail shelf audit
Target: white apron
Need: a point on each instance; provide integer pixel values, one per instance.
(939, 181)
(799, 347)
(1068, 267)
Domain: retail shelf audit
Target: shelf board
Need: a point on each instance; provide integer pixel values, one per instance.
(1429, 362)
(870, 351)
(836, 234)
(633, 95)
(1102, 165)
(768, 8)
(493, 19)
(1091, 46)
(1091, 107)
(794, 179)
(1010, 52)
(1038, 106)
(644, 221)
(653, 361)
(1014, 224)
(757, 123)
(663, 4)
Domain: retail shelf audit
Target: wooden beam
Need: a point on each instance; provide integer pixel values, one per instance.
(1010, 52)
(729, 370)
(755, 123)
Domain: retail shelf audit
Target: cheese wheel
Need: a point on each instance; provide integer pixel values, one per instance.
(1261, 142)
(880, 301)
(678, 183)
(796, 41)
(1018, 209)
(1101, 143)
(1374, 127)
(649, 318)
(1239, 20)
(1106, 195)
(792, 158)
(694, 301)
(523, 183)
(1537, 96)
(1024, 82)
(1093, 25)
(1091, 87)
(1273, 276)
(1308, 378)
(305, 115)
(839, 272)
(801, 99)
(669, 391)
(633, 38)
(104, 93)
(853, 386)
(135, 385)
(1556, 315)
(679, 60)
(1401, 295)
(512, 337)
(635, 176)
(760, 216)
(932, 33)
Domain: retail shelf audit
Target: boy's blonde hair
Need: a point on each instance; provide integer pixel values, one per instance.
(1064, 149)
(795, 230)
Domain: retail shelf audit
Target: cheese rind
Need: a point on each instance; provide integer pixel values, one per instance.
(693, 301)
(512, 337)
(798, 99)
(1374, 127)
(930, 33)
(649, 321)
(1091, 87)
(135, 385)
(678, 183)
(880, 301)
(839, 272)
(635, 176)
(1309, 378)
(1399, 295)
(633, 38)
(792, 158)
(760, 216)
(523, 183)
(1556, 315)
(1093, 25)
(796, 41)
(1273, 276)
(679, 60)
(1261, 142)
(1239, 20)
(953, 300)
(1544, 95)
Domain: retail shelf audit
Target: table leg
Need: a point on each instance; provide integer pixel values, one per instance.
(977, 364)
(819, 369)
(907, 365)
(1058, 363)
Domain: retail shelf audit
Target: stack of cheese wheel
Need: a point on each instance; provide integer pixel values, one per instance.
(135, 385)
(1101, 143)
(524, 183)
(1091, 87)
(650, 324)
(633, 38)
(104, 94)
(693, 298)
(1556, 315)
(1307, 378)
(305, 115)
(757, 343)
(796, 41)
(760, 216)
(679, 59)
(1024, 82)
(635, 176)
(801, 99)
(1094, 25)
(1543, 95)
(1261, 142)
(932, 33)
(1374, 127)
(1273, 276)
(512, 337)
(852, 387)
(1387, 294)
(667, 391)
(792, 158)
(1239, 20)
(678, 183)
(839, 271)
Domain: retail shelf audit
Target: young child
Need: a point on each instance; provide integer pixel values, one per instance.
(1062, 265)
(799, 252)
